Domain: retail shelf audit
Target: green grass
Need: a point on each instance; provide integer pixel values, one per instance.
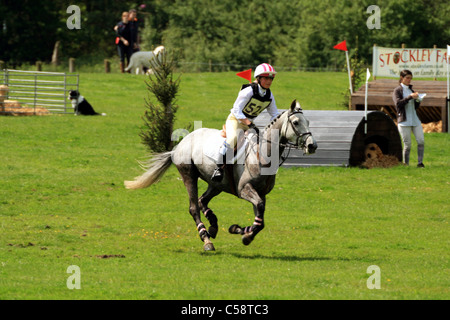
(62, 203)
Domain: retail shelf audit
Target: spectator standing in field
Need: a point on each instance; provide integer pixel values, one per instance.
(123, 41)
(134, 30)
(406, 102)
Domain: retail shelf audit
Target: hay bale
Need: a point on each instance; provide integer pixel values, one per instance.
(11, 104)
(387, 161)
(432, 127)
(14, 108)
(3, 92)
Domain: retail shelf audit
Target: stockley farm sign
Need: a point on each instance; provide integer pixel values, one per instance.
(423, 63)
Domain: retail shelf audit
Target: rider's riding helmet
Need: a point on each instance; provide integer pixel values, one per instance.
(265, 70)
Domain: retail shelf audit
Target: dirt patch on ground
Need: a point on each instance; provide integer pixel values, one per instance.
(107, 256)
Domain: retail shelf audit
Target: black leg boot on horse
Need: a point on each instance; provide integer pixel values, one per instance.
(248, 233)
(209, 214)
(259, 204)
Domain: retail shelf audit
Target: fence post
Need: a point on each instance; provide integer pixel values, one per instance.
(35, 92)
(55, 55)
(434, 47)
(373, 64)
(107, 66)
(38, 65)
(71, 65)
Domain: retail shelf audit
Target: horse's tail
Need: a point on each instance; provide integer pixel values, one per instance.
(156, 167)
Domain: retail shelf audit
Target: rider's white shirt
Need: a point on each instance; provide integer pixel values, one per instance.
(243, 98)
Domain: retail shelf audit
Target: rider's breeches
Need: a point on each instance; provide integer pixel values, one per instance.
(232, 126)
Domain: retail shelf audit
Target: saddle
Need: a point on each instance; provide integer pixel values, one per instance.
(241, 146)
(239, 151)
(240, 139)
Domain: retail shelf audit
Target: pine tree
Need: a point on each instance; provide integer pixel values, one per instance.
(160, 117)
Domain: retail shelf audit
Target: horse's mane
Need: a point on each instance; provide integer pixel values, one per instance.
(274, 120)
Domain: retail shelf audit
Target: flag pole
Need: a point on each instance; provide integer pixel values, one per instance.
(348, 69)
(365, 101)
(448, 90)
(343, 46)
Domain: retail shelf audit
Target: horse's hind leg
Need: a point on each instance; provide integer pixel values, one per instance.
(209, 214)
(190, 177)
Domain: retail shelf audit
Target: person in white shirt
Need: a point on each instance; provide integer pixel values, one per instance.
(251, 101)
(407, 101)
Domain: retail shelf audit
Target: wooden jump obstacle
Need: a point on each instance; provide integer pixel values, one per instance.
(340, 137)
(433, 107)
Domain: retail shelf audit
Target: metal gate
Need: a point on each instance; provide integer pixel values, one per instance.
(35, 89)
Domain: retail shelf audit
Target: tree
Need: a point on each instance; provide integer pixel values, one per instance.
(159, 117)
(28, 30)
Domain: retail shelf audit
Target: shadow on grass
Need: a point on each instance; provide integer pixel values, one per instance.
(274, 256)
(278, 257)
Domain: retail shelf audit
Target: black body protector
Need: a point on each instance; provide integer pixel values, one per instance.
(257, 103)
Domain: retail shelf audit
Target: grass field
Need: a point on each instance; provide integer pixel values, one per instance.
(62, 203)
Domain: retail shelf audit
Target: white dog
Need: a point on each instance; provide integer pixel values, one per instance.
(141, 59)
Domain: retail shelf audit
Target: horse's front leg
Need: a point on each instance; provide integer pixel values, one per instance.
(259, 204)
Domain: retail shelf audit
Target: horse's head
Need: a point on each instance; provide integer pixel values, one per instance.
(296, 129)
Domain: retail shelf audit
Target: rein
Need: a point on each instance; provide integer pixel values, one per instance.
(300, 141)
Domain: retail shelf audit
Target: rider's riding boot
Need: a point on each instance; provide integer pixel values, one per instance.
(217, 175)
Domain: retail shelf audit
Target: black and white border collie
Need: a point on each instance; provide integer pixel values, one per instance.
(81, 106)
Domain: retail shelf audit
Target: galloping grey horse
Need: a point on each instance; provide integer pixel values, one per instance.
(251, 179)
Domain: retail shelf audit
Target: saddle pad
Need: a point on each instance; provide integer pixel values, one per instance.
(212, 146)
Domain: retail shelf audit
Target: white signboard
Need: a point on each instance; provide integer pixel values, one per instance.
(423, 63)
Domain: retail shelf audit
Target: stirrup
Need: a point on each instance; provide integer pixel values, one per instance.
(217, 175)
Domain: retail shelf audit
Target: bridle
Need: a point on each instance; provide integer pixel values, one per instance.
(300, 142)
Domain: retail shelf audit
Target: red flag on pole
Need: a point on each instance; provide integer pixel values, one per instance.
(247, 74)
(341, 46)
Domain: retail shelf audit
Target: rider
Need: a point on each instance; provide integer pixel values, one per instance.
(251, 101)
